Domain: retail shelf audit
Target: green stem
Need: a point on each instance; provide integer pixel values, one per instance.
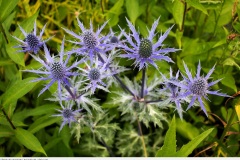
(226, 129)
(143, 81)
(142, 139)
(3, 31)
(8, 119)
(227, 126)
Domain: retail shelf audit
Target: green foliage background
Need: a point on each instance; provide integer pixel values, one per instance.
(205, 30)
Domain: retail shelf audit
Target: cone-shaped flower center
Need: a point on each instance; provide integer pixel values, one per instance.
(199, 87)
(145, 48)
(58, 71)
(32, 41)
(67, 113)
(114, 39)
(89, 39)
(94, 74)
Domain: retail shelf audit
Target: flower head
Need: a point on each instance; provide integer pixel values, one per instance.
(68, 114)
(90, 42)
(173, 92)
(144, 50)
(56, 70)
(95, 75)
(32, 42)
(115, 41)
(198, 86)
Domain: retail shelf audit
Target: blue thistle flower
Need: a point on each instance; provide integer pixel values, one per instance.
(95, 75)
(56, 70)
(90, 42)
(115, 40)
(198, 86)
(173, 92)
(32, 42)
(81, 98)
(144, 51)
(68, 115)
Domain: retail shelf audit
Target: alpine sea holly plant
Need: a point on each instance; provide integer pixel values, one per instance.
(114, 89)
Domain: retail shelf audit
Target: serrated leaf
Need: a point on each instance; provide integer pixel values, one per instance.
(190, 146)
(29, 140)
(17, 57)
(6, 8)
(132, 7)
(17, 90)
(196, 4)
(169, 147)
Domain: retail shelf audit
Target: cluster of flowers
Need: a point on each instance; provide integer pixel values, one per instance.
(99, 52)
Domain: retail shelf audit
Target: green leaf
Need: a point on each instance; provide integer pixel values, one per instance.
(178, 13)
(27, 25)
(14, 55)
(183, 126)
(169, 147)
(179, 35)
(66, 136)
(228, 80)
(142, 27)
(132, 7)
(237, 109)
(230, 62)
(17, 90)
(6, 8)
(6, 132)
(114, 12)
(190, 146)
(42, 123)
(5, 62)
(39, 110)
(196, 4)
(29, 140)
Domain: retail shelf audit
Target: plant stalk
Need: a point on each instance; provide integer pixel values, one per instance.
(143, 81)
(107, 147)
(69, 91)
(8, 119)
(142, 139)
(117, 78)
(226, 129)
(3, 31)
(227, 126)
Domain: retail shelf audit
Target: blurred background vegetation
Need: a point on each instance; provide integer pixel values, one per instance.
(205, 30)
